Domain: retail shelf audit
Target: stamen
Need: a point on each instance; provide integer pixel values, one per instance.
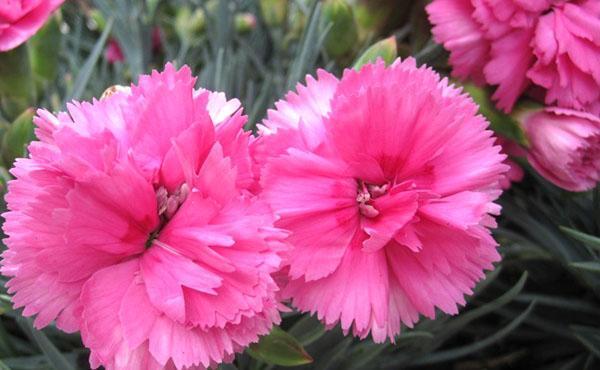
(365, 195)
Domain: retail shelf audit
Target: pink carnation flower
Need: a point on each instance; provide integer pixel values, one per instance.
(131, 222)
(387, 187)
(516, 43)
(565, 146)
(21, 19)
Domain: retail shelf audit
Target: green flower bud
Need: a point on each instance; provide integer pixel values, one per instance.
(245, 22)
(385, 49)
(274, 12)
(343, 35)
(189, 24)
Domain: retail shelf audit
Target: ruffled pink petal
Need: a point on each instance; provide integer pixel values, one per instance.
(20, 21)
(395, 211)
(356, 297)
(456, 29)
(567, 45)
(298, 119)
(510, 59)
(317, 204)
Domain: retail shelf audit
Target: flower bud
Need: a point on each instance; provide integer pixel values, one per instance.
(189, 24)
(274, 12)
(245, 22)
(385, 49)
(342, 35)
(564, 146)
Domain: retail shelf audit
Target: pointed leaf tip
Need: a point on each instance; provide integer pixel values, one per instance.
(279, 348)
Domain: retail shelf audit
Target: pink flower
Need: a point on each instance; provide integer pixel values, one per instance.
(567, 50)
(131, 222)
(113, 52)
(516, 43)
(387, 187)
(21, 19)
(565, 146)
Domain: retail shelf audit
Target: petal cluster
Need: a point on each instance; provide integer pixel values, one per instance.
(21, 19)
(565, 146)
(385, 180)
(133, 222)
(516, 44)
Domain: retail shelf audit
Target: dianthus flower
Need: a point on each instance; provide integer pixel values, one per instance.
(385, 180)
(518, 44)
(131, 222)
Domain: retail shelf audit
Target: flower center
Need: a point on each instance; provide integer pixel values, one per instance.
(365, 195)
(167, 205)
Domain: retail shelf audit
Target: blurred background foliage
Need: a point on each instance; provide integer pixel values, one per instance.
(539, 309)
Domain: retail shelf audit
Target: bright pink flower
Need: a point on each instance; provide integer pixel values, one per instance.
(514, 43)
(131, 222)
(386, 186)
(21, 19)
(565, 146)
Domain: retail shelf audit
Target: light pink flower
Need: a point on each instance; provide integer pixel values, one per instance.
(387, 187)
(565, 146)
(131, 222)
(516, 43)
(21, 19)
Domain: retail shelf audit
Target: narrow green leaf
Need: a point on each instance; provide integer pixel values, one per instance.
(85, 73)
(3, 366)
(54, 356)
(462, 320)
(385, 49)
(309, 48)
(590, 240)
(587, 266)
(279, 348)
(454, 353)
(307, 330)
(363, 355)
(333, 358)
(589, 337)
(17, 137)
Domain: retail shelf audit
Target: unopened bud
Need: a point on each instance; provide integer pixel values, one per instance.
(245, 22)
(274, 12)
(385, 49)
(342, 35)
